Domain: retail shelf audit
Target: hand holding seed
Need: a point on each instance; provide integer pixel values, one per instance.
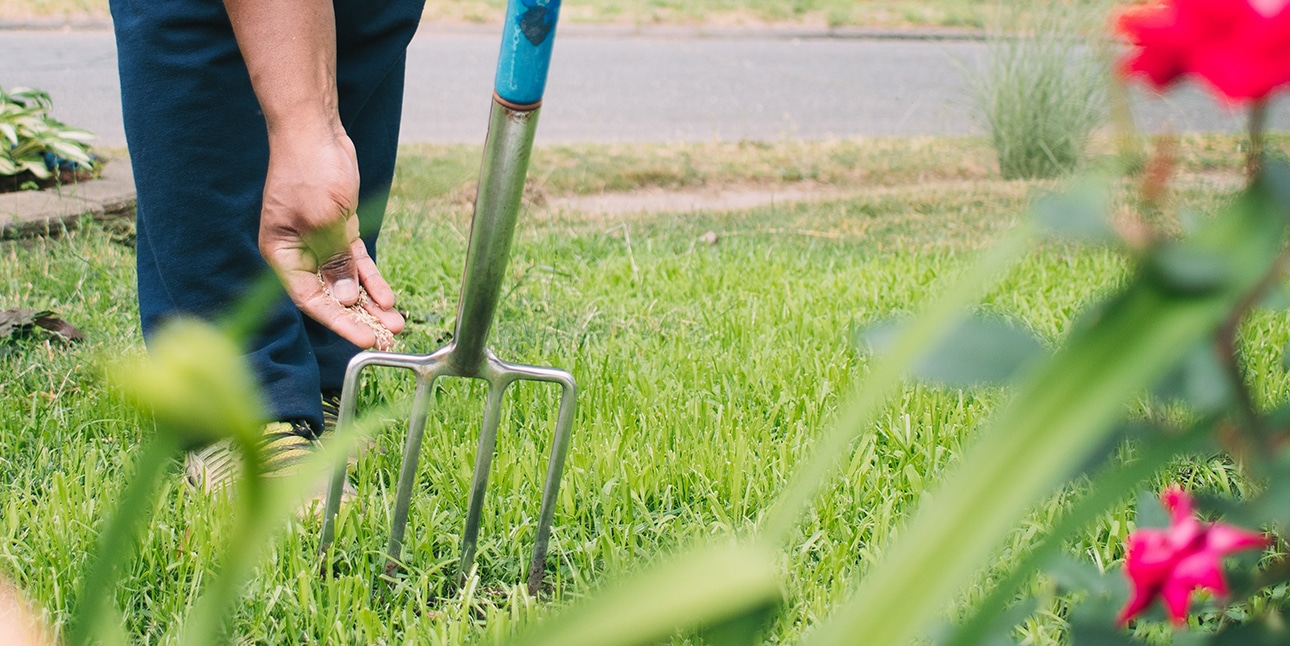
(309, 228)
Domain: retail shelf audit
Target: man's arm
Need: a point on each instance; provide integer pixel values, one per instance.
(308, 221)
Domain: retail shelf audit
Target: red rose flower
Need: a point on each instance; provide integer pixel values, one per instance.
(1240, 47)
(1172, 562)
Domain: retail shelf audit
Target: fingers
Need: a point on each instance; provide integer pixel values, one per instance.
(308, 295)
(335, 309)
(370, 277)
(340, 274)
(390, 318)
(380, 296)
(344, 273)
(335, 247)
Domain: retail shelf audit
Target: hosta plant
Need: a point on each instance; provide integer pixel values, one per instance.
(35, 147)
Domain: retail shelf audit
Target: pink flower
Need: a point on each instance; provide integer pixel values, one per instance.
(1172, 562)
(1240, 47)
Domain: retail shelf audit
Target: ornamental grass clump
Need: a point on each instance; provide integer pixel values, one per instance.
(1042, 92)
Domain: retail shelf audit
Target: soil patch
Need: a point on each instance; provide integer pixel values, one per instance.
(725, 198)
(736, 197)
(27, 181)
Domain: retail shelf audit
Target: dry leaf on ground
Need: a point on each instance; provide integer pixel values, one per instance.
(19, 322)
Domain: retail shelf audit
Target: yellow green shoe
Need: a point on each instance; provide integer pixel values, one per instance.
(331, 417)
(284, 446)
(330, 410)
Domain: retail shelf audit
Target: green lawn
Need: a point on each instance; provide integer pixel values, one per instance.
(706, 373)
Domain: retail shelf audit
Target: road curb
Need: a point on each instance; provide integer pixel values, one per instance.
(576, 30)
(26, 214)
(61, 23)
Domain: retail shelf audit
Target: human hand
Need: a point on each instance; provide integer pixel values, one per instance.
(309, 229)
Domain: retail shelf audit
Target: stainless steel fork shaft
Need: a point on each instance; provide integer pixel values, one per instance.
(497, 204)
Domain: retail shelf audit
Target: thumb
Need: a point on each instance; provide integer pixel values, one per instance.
(339, 274)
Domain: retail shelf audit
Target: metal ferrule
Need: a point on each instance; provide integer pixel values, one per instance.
(497, 204)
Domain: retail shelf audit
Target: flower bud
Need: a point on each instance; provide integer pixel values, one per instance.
(196, 383)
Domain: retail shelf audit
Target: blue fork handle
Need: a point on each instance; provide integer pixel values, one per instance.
(526, 52)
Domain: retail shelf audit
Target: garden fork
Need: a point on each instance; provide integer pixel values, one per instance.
(520, 82)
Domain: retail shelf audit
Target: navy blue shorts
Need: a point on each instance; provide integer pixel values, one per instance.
(199, 151)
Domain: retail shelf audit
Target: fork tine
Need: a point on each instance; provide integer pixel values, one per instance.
(408, 471)
(483, 462)
(550, 490)
(348, 404)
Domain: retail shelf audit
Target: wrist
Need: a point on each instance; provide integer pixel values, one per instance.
(304, 136)
(303, 123)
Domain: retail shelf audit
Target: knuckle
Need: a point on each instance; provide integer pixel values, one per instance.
(339, 263)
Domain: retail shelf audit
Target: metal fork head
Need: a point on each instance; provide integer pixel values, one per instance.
(511, 129)
(499, 375)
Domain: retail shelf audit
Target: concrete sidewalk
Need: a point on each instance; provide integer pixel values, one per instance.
(57, 209)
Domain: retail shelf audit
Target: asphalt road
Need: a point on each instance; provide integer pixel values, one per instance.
(635, 88)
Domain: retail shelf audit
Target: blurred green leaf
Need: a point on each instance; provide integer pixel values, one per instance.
(995, 629)
(1269, 508)
(1106, 488)
(745, 629)
(1199, 380)
(1274, 177)
(1190, 638)
(196, 382)
(96, 620)
(257, 302)
(1254, 633)
(1079, 214)
(854, 420)
(1150, 511)
(1190, 270)
(1189, 220)
(1072, 575)
(1092, 617)
(1099, 633)
(1001, 634)
(264, 504)
(978, 350)
(701, 589)
(1277, 299)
